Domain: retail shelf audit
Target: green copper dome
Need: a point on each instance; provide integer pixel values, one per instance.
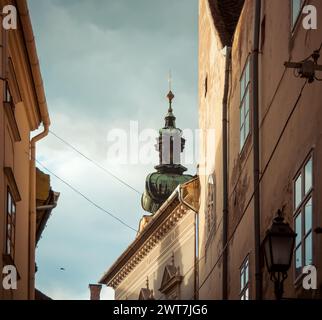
(159, 185)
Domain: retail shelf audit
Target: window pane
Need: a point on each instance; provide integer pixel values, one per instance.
(308, 216)
(298, 191)
(296, 7)
(242, 114)
(246, 125)
(246, 275)
(308, 250)
(247, 73)
(308, 176)
(13, 210)
(8, 246)
(242, 280)
(242, 136)
(9, 230)
(298, 260)
(247, 294)
(9, 203)
(298, 229)
(242, 125)
(242, 88)
(247, 102)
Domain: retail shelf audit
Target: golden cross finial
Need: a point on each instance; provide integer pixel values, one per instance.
(170, 95)
(170, 80)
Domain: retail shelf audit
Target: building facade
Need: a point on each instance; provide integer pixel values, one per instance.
(161, 263)
(261, 144)
(26, 199)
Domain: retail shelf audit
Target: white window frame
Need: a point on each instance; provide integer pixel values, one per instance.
(211, 204)
(299, 215)
(244, 280)
(11, 211)
(244, 109)
(296, 17)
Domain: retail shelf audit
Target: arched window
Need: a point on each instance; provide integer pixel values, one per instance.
(211, 203)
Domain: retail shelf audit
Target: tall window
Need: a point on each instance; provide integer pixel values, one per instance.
(296, 10)
(210, 214)
(11, 225)
(303, 214)
(244, 104)
(244, 280)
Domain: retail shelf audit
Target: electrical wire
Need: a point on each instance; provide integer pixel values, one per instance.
(85, 197)
(94, 162)
(252, 195)
(320, 47)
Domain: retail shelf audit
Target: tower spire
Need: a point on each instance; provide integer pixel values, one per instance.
(170, 95)
(170, 118)
(169, 172)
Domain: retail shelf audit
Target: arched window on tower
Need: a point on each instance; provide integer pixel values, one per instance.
(211, 205)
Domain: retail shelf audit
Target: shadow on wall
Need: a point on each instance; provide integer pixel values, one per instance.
(211, 229)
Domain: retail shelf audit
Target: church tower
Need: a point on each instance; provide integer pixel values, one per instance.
(160, 184)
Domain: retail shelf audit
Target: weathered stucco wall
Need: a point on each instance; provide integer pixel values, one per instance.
(286, 139)
(14, 154)
(180, 242)
(211, 86)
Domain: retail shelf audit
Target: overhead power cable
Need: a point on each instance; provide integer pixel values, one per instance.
(95, 163)
(85, 197)
(257, 186)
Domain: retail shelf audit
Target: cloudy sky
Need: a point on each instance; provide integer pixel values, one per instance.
(105, 63)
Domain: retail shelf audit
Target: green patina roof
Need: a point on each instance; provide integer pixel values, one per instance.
(159, 186)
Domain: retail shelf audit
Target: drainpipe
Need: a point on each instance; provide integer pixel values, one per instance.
(256, 173)
(29, 41)
(33, 210)
(196, 240)
(225, 174)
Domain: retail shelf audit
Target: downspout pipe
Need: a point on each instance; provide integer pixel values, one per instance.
(29, 40)
(225, 174)
(256, 168)
(196, 239)
(33, 210)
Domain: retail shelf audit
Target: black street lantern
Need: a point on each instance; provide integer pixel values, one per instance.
(278, 248)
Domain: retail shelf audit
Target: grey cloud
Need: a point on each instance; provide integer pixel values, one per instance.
(104, 63)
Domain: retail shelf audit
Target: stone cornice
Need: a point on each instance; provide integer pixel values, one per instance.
(164, 221)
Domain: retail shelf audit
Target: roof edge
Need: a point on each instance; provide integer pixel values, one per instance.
(120, 262)
(27, 31)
